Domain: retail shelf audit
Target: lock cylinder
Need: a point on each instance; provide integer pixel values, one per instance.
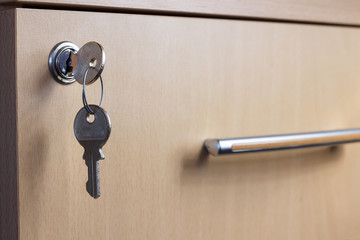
(62, 62)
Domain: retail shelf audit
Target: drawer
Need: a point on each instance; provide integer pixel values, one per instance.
(323, 11)
(169, 84)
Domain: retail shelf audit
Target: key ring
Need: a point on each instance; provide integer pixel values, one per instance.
(86, 105)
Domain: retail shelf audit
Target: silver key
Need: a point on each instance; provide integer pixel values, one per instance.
(91, 55)
(92, 136)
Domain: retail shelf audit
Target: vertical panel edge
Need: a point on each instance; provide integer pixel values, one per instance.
(9, 214)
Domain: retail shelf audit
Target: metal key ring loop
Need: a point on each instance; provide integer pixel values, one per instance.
(86, 105)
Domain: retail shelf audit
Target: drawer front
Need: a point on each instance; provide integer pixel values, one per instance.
(327, 11)
(170, 83)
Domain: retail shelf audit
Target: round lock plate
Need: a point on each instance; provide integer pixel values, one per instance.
(62, 62)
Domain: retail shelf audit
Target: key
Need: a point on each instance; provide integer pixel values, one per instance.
(92, 135)
(91, 55)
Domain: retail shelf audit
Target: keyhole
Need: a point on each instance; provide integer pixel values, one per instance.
(90, 118)
(93, 62)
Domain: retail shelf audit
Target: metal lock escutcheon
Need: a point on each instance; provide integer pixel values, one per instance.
(69, 63)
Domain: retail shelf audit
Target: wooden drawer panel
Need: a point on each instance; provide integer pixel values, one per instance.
(170, 83)
(327, 11)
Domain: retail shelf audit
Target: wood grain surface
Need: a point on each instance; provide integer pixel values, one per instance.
(8, 129)
(326, 11)
(169, 84)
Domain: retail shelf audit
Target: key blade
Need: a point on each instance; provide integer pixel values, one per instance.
(92, 154)
(93, 183)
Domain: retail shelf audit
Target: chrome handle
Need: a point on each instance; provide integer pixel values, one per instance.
(279, 142)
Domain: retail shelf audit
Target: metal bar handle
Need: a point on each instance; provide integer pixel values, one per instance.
(280, 142)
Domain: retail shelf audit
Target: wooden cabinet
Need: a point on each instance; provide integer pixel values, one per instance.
(169, 84)
(341, 12)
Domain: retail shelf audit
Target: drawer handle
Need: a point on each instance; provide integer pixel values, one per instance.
(218, 147)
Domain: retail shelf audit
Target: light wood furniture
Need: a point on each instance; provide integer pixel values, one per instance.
(325, 11)
(170, 83)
